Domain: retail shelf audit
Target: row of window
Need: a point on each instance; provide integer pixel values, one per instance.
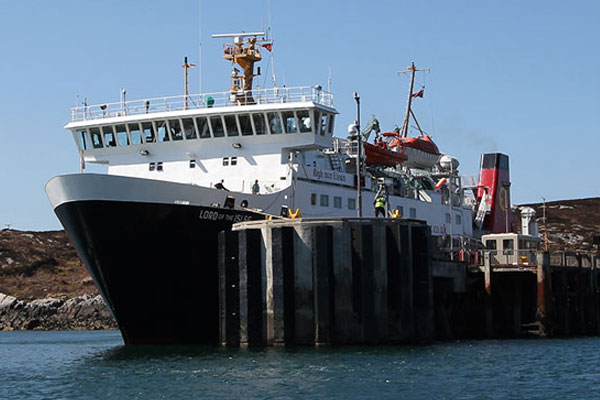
(203, 127)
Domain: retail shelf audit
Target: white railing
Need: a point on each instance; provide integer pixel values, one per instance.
(200, 101)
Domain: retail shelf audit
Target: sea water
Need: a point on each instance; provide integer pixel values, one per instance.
(96, 365)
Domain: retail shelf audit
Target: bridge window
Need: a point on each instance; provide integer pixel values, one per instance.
(233, 160)
(330, 130)
(161, 130)
(323, 125)
(134, 133)
(274, 123)
(175, 129)
(122, 138)
(149, 132)
(189, 129)
(225, 161)
(203, 128)
(159, 166)
(217, 126)
(231, 125)
(82, 140)
(289, 121)
(151, 166)
(192, 163)
(109, 136)
(259, 124)
(245, 124)
(305, 123)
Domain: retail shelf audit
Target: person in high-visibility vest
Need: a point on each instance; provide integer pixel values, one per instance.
(380, 206)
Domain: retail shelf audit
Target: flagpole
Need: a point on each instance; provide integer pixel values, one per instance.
(412, 70)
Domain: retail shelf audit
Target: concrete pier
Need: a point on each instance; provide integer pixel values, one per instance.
(380, 281)
(327, 281)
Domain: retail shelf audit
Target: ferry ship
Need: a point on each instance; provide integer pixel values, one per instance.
(181, 169)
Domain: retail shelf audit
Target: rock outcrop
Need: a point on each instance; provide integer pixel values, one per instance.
(85, 312)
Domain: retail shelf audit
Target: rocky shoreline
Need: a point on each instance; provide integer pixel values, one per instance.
(86, 312)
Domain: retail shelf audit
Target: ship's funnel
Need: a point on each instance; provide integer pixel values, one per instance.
(494, 189)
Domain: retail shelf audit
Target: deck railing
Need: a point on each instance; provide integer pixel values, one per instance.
(200, 101)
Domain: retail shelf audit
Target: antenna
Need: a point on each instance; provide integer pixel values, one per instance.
(200, 47)
(329, 80)
(186, 66)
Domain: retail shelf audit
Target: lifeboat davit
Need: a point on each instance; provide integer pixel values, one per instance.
(380, 154)
(420, 151)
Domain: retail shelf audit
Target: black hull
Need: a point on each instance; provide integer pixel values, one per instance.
(155, 264)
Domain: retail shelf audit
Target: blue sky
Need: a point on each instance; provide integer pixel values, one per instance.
(519, 77)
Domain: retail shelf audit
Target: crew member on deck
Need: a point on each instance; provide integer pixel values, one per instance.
(220, 185)
(255, 187)
(380, 206)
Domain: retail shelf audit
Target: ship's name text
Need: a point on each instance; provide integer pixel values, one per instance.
(331, 176)
(218, 216)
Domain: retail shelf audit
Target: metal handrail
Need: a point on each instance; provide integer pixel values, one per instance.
(200, 101)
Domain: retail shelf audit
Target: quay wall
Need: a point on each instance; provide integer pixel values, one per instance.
(380, 281)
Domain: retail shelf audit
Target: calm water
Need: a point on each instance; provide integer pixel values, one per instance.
(78, 365)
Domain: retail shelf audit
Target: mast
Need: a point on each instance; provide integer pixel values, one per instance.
(186, 66)
(244, 53)
(412, 69)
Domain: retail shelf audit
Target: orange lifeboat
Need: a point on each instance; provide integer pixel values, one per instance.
(380, 154)
(420, 151)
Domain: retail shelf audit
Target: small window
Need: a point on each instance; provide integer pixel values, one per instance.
(161, 130)
(448, 218)
(245, 124)
(109, 136)
(259, 124)
(324, 200)
(151, 166)
(134, 133)
(508, 244)
(413, 212)
(225, 161)
(490, 244)
(337, 202)
(233, 160)
(323, 127)
(192, 163)
(351, 203)
(313, 199)
(458, 219)
(122, 138)
(289, 122)
(159, 166)
(149, 132)
(217, 126)
(231, 124)
(189, 129)
(203, 128)
(82, 140)
(175, 129)
(274, 123)
(304, 119)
